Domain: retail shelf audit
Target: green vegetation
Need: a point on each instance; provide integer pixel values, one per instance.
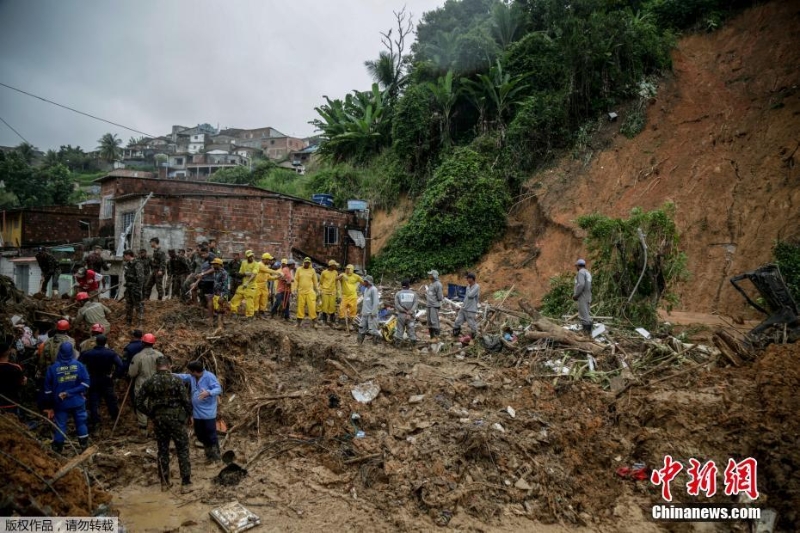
(558, 300)
(786, 255)
(26, 185)
(516, 81)
(619, 288)
(455, 221)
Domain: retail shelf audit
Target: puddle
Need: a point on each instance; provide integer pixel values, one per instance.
(147, 509)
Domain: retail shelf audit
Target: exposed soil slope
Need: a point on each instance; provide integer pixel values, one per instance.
(721, 142)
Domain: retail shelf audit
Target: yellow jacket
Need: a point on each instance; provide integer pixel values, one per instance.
(305, 281)
(265, 273)
(327, 282)
(350, 284)
(246, 269)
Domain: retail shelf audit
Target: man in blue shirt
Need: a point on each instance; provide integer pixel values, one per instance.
(65, 386)
(103, 364)
(205, 389)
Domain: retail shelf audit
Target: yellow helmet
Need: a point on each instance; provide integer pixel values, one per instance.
(307, 260)
(217, 261)
(266, 255)
(249, 253)
(332, 262)
(284, 261)
(351, 267)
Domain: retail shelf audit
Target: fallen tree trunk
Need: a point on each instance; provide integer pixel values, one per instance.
(545, 329)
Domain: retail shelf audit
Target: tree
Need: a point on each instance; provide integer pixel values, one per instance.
(27, 151)
(505, 24)
(500, 90)
(445, 95)
(109, 147)
(388, 71)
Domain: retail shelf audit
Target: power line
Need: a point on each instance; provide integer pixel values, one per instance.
(73, 110)
(15, 131)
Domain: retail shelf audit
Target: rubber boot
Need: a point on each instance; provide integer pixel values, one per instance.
(360, 339)
(57, 447)
(186, 486)
(376, 339)
(215, 453)
(83, 442)
(587, 330)
(432, 333)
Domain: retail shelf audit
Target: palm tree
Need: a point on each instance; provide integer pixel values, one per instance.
(445, 96)
(109, 147)
(499, 89)
(505, 24)
(51, 158)
(26, 150)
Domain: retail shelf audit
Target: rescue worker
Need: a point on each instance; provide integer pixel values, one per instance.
(330, 288)
(133, 273)
(469, 310)
(103, 364)
(143, 367)
(48, 352)
(65, 386)
(233, 273)
(164, 399)
(177, 270)
(263, 276)
(95, 261)
(583, 295)
(217, 298)
(349, 282)
(212, 247)
(247, 290)
(369, 312)
(88, 344)
(204, 392)
(49, 267)
(158, 265)
(145, 261)
(201, 262)
(132, 348)
(92, 313)
(434, 297)
(306, 286)
(405, 304)
(283, 298)
(88, 281)
(12, 380)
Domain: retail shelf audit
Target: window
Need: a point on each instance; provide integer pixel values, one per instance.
(331, 235)
(127, 219)
(272, 142)
(107, 208)
(178, 161)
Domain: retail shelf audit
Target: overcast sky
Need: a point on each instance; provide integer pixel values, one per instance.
(150, 64)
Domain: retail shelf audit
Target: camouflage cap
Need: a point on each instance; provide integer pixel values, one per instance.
(162, 361)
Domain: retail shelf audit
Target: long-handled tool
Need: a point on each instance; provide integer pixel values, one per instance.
(125, 399)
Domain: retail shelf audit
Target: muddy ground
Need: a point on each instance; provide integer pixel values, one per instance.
(440, 448)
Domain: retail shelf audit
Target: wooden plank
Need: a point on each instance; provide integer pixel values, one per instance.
(72, 463)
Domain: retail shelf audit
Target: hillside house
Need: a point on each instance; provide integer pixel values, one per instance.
(184, 213)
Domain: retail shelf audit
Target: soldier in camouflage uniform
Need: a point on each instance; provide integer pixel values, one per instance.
(165, 400)
(145, 261)
(133, 272)
(49, 267)
(158, 265)
(177, 270)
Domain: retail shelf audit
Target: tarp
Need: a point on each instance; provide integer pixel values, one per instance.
(358, 237)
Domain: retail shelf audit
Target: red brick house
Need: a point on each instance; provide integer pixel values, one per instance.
(240, 217)
(47, 225)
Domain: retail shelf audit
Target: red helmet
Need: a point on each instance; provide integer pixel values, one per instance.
(98, 328)
(62, 325)
(149, 338)
(81, 296)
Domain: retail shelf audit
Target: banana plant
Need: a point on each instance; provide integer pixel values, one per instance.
(445, 94)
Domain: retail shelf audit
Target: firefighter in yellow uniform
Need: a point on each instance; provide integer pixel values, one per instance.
(247, 290)
(263, 276)
(329, 287)
(306, 285)
(349, 282)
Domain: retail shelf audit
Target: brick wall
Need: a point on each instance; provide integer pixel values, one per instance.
(239, 218)
(59, 225)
